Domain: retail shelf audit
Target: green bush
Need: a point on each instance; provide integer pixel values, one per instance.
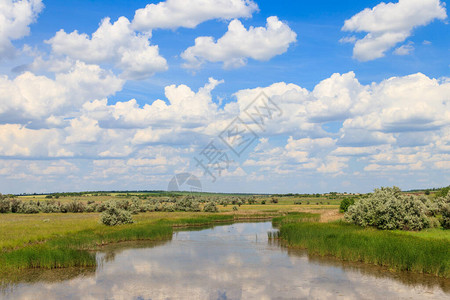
(113, 215)
(73, 207)
(4, 205)
(188, 203)
(15, 205)
(29, 208)
(235, 208)
(387, 208)
(210, 207)
(444, 209)
(345, 203)
(49, 207)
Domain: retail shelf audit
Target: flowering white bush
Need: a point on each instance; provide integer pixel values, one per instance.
(210, 207)
(115, 216)
(443, 204)
(388, 208)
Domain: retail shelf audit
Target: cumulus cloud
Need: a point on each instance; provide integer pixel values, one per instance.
(114, 43)
(238, 44)
(388, 24)
(172, 14)
(15, 19)
(398, 124)
(29, 97)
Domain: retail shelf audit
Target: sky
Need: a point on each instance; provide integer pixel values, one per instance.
(248, 96)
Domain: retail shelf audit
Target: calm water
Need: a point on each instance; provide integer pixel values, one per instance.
(225, 262)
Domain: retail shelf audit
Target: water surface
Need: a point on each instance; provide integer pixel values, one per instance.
(225, 262)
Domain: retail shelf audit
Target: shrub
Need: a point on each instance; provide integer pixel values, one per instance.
(4, 205)
(274, 200)
(388, 209)
(91, 207)
(210, 207)
(135, 206)
(28, 208)
(169, 207)
(298, 202)
(235, 208)
(187, 203)
(73, 207)
(101, 207)
(444, 209)
(15, 205)
(345, 203)
(443, 192)
(113, 215)
(263, 202)
(49, 207)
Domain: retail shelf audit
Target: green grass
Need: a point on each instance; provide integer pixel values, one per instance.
(67, 240)
(417, 252)
(295, 217)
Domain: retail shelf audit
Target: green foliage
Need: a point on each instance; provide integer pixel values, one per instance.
(72, 207)
(235, 208)
(113, 215)
(29, 208)
(443, 204)
(187, 203)
(4, 205)
(210, 207)
(345, 203)
(15, 205)
(387, 208)
(49, 207)
(443, 192)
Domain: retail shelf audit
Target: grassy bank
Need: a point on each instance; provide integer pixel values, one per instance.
(423, 253)
(68, 240)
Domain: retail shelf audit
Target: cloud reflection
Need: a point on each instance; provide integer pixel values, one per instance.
(230, 262)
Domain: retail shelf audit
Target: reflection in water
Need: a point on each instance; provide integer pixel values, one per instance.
(228, 262)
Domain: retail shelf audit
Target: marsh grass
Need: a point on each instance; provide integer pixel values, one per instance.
(397, 251)
(295, 217)
(56, 249)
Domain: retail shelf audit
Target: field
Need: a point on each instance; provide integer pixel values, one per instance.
(55, 240)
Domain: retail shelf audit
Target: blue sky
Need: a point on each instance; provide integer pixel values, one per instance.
(356, 115)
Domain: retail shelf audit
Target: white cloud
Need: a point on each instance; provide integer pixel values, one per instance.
(405, 49)
(113, 43)
(172, 14)
(388, 24)
(238, 44)
(31, 97)
(15, 18)
(398, 124)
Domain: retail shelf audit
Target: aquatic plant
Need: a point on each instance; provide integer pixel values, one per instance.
(392, 249)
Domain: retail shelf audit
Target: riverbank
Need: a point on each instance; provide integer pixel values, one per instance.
(50, 241)
(422, 252)
(69, 240)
